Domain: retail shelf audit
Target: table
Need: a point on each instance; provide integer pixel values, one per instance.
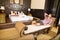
(34, 28)
(22, 18)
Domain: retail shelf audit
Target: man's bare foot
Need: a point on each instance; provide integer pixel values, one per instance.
(34, 22)
(37, 24)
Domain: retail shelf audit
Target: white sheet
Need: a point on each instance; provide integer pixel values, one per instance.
(22, 18)
(34, 28)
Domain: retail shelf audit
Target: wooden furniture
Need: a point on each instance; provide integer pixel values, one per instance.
(52, 32)
(57, 37)
(58, 29)
(53, 20)
(22, 18)
(20, 28)
(6, 26)
(2, 18)
(33, 29)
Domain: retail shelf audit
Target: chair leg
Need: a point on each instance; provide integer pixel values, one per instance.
(48, 30)
(35, 36)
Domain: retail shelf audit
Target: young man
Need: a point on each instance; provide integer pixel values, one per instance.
(47, 20)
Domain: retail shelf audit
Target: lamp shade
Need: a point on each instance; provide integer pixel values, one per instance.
(2, 8)
(29, 9)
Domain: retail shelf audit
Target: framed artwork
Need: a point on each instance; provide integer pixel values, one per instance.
(21, 2)
(16, 1)
(11, 1)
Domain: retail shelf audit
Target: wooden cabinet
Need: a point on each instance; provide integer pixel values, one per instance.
(2, 18)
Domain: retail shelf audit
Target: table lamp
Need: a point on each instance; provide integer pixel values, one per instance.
(2, 8)
(29, 11)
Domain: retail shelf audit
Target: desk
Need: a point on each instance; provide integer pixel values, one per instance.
(34, 28)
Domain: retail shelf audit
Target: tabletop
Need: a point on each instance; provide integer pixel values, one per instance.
(34, 28)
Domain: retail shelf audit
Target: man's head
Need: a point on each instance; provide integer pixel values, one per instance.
(50, 15)
(46, 16)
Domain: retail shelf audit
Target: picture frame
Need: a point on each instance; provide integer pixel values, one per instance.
(16, 1)
(11, 1)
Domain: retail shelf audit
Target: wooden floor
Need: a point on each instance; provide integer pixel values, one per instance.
(12, 34)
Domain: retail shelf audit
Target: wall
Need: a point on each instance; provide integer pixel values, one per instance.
(39, 13)
(55, 6)
(15, 7)
(37, 8)
(49, 6)
(37, 4)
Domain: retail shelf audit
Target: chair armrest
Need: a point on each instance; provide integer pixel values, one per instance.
(22, 31)
(35, 18)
